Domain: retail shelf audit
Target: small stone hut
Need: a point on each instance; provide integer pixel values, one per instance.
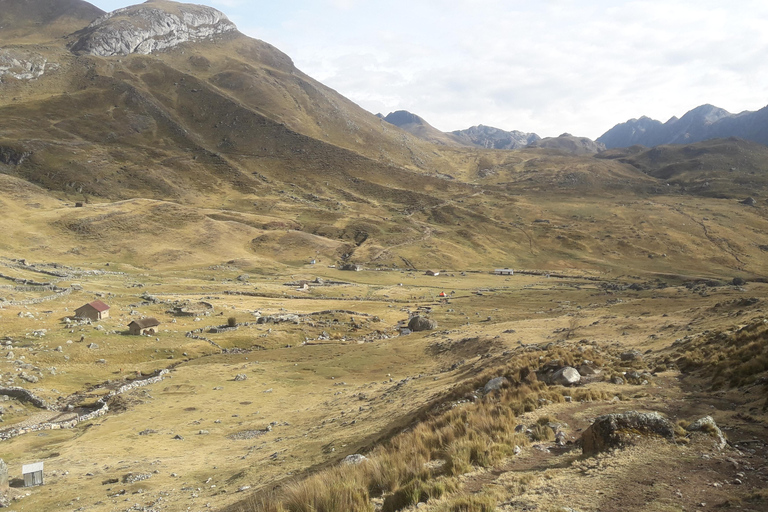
(504, 272)
(143, 326)
(94, 311)
(33, 474)
(432, 272)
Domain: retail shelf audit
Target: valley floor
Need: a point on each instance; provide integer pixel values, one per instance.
(316, 369)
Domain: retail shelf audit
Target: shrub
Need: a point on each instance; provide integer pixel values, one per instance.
(232, 321)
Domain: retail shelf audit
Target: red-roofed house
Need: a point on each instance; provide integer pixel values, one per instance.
(95, 310)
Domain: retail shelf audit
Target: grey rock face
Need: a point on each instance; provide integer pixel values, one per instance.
(707, 424)
(142, 29)
(618, 430)
(354, 460)
(494, 138)
(494, 384)
(23, 65)
(567, 376)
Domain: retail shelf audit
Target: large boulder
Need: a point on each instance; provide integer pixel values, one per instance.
(567, 376)
(494, 384)
(420, 323)
(707, 425)
(619, 430)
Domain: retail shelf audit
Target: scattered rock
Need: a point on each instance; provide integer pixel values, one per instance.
(93, 346)
(618, 430)
(241, 377)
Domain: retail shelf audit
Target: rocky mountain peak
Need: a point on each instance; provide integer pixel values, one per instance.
(149, 27)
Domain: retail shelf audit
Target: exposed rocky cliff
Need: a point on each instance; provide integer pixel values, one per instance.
(150, 27)
(494, 138)
(23, 65)
(702, 123)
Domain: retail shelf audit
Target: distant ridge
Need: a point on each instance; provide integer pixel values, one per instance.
(419, 127)
(495, 138)
(479, 136)
(570, 144)
(702, 123)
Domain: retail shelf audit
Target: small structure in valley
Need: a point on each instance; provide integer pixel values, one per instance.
(504, 272)
(33, 474)
(432, 272)
(354, 267)
(143, 326)
(94, 311)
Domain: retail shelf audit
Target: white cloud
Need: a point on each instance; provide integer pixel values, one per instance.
(548, 67)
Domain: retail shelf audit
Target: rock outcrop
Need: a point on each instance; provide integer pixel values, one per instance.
(23, 65)
(150, 27)
(495, 138)
(707, 425)
(618, 430)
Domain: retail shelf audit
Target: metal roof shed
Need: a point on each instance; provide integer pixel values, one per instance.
(33, 474)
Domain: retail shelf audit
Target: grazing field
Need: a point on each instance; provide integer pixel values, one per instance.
(309, 376)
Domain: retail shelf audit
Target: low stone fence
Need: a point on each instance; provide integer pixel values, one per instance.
(101, 410)
(24, 395)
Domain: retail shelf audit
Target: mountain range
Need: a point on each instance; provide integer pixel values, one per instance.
(702, 123)
(488, 137)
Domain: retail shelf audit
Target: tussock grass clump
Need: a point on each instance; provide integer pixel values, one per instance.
(422, 464)
(733, 359)
(469, 503)
(336, 490)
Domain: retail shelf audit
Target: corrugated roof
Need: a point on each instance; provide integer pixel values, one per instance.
(97, 305)
(31, 468)
(143, 323)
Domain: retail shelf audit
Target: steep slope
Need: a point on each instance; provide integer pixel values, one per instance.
(489, 137)
(34, 21)
(702, 123)
(727, 168)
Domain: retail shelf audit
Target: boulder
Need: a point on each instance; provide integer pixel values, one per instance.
(619, 430)
(421, 323)
(588, 371)
(354, 460)
(567, 376)
(241, 377)
(750, 201)
(494, 384)
(631, 356)
(707, 424)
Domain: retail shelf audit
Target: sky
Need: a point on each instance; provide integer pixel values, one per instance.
(546, 66)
